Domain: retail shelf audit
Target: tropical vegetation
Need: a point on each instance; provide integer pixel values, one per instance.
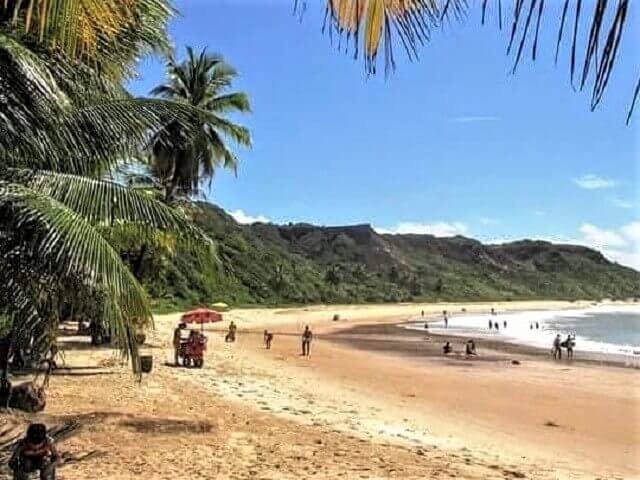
(66, 125)
(266, 264)
(201, 81)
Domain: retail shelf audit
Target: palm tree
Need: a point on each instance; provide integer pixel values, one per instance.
(65, 124)
(596, 28)
(201, 81)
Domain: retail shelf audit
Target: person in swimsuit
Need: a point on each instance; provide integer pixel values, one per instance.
(231, 334)
(36, 452)
(268, 338)
(307, 337)
(177, 340)
(557, 349)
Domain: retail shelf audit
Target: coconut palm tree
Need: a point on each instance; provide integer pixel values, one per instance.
(595, 29)
(203, 81)
(65, 124)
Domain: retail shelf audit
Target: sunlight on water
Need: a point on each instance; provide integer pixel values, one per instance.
(607, 329)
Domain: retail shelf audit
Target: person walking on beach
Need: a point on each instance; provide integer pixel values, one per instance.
(504, 324)
(490, 324)
(307, 336)
(231, 334)
(557, 349)
(268, 338)
(446, 320)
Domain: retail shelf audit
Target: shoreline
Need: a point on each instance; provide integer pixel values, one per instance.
(394, 338)
(344, 412)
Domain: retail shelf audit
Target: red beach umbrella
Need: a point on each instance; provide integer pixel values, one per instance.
(201, 316)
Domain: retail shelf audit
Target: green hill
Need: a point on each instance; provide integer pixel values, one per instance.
(301, 263)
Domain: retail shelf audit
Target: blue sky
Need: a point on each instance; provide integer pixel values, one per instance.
(451, 144)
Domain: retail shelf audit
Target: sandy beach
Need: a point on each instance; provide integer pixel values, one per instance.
(351, 410)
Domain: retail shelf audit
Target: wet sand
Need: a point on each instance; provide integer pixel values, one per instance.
(394, 339)
(345, 412)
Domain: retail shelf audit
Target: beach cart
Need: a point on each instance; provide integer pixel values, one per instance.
(192, 349)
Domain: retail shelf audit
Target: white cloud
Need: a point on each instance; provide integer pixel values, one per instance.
(475, 118)
(621, 203)
(632, 232)
(539, 213)
(628, 259)
(590, 181)
(241, 217)
(601, 238)
(488, 221)
(438, 229)
(621, 245)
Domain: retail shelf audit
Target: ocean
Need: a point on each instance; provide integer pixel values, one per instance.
(606, 329)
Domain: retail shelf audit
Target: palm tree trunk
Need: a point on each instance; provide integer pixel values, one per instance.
(5, 348)
(137, 266)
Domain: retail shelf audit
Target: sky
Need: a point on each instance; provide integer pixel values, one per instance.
(451, 144)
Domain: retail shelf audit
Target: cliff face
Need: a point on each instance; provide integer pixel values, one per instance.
(302, 263)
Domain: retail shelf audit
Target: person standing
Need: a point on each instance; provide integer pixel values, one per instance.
(231, 334)
(177, 340)
(446, 320)
(557, 349)
(307, 337)
(569, 342)
(268, 338)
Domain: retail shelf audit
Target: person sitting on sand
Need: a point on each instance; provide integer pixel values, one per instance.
(177, 339)
(557, 349)
(36, 452)
(307, 336)
(470, 348)
(231, 334)
(268, 338)
(447, 349)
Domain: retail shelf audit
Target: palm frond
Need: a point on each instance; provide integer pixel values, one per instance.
(106, 203)
(375, 26)
(111, 33)
(232, 102)
(67, 245)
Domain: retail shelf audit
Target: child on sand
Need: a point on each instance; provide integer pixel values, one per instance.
(36, 452)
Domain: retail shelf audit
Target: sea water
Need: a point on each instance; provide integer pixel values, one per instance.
(605, 329)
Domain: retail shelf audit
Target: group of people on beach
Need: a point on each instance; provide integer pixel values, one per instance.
(469, 348)
(230, 337)
(558, 345)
